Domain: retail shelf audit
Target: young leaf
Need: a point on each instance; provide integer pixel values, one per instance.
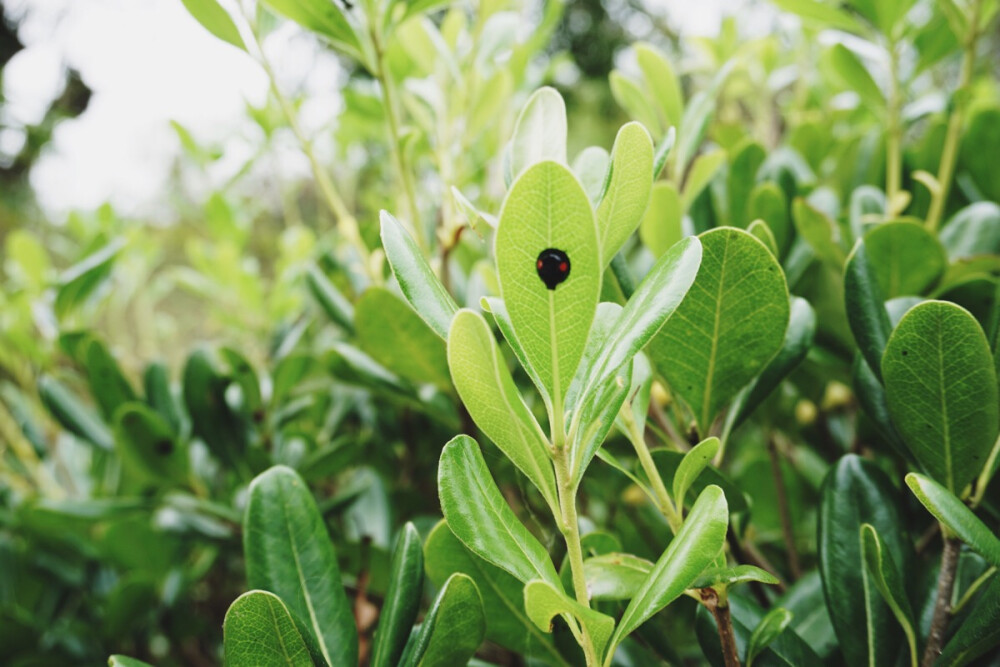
(80, 280)
(394, 335)
(819, 231)
(703, 170)
(417, 281)
(324, 18)
(289, 553)
(764, 234)
(547, 209)
(663, 151)
(507, 623)
(634, 100)
(769, 629)
(543, 602)
(452, 630)
(865, 303)
(627, 195)
(741, 181)
(693, 549)
(147, 445)
(125, 661)
(661, 80)
(786, 650)
(72, 414)
(941, 386)
(954, 514)
(884, 573)
(258, 630)
(489, 393)
(729, 326)
(667, 462)
(615, 576)
(216, 20)
(856, 76)
(979, 633)
(479, 516)
(856, 492)
(906, 257)
(661, 225)
(540, 133)
(692, 464)
(729, 576)
(402, 600)
(593, 167)
(334, 304)
(767, 203)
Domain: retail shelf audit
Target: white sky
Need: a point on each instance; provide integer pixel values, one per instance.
(148, 62)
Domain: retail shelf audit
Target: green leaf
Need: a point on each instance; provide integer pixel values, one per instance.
(324, 18)
(887, 579)
(769, 629)
(667, 462)
(259, 631)
(663, 151)
(394, 335)
(452, 630)
(125, 661)
(694, 123)
(661, 81)
(764, 234)
(334, 304)
(224, 430)
(543, 602)
(507, 622)
(820, 232)
(540, 133)
(979, 633)
(615, 576)
(696, 545)
(972, 231)
(941, 387)
(216, 20)
(417, 281)
(730, 576)
(865, 304)
(703, 170)
(767, 203)
(479, 516)
(692, 464)
(661, 225)
(547, 208)
(906, 257)
(72, 414)
(402, 600)
(627, 195)
(159, 395)
(289, 553)
(82, 279)
(798, 341)
(488, 391)
(820, 14)
(730, 325)
(593, 167)
(856, 492)
(147, 444)
(741, 181)
(108, 384)
(634, 100)
(956, 516)
(871, 397)
(855, 76)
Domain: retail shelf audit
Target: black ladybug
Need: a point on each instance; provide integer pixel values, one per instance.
(553, 267)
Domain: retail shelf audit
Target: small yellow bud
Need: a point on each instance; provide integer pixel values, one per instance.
(805, 412)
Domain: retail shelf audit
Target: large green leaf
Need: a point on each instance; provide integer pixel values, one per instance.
(956, 516)
(416, 280)
(885, 575)
(729, 326)
(627, 195)
(543, 602)
(507, 622)
(907, 258)
(540, 133)
(979, 633)
(394, 335)
(694, 548)
(857, 492)
(941, 387)
(488, 391)
(547, 208)
(452, 630)
(402, 600)
(289, 553)
(147, 444)
(216, 20)
(865, 303)
(259, 632)
(479, 516)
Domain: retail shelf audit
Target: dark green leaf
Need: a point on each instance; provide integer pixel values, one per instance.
(402, 600)
(452, 630)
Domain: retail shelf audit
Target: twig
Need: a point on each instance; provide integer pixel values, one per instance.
(942, 606)
(783, 509)
(720, 610)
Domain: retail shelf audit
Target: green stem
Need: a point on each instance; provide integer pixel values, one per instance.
(666, 505)
(393, 122)
(894, 140)
(569, 526)
(949, 153)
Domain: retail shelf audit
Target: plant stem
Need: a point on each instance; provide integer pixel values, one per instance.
(569, 526)
(719, 606)
(894, 140)
(393, 122)
(942, 606)
(949, 153)
(783, 509)
(666, 505)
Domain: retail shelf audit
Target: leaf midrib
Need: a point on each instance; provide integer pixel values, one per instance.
(710, 377)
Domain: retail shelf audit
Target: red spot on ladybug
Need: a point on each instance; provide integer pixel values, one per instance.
(553, 267)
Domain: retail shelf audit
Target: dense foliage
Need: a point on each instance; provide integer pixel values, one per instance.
(720, 388)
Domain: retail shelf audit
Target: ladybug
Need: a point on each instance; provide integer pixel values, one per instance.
(552, 266)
